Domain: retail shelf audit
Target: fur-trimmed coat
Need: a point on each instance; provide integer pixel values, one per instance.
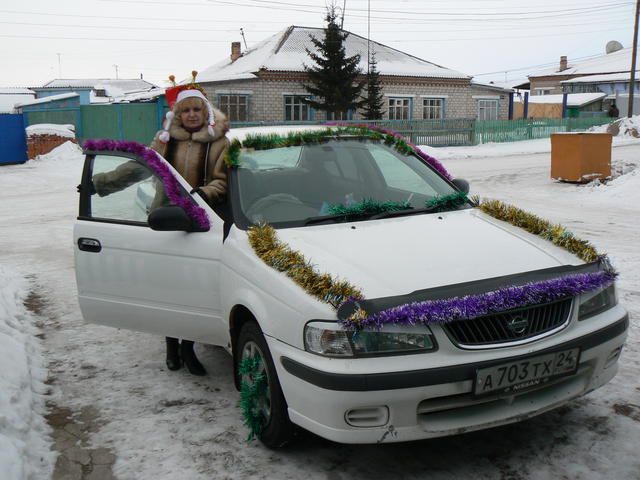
(187, 153)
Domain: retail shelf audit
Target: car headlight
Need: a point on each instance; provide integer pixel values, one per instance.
(328, 339)
(596, 302)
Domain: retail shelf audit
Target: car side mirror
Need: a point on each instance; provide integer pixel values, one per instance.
(461, 185)
(171, 218)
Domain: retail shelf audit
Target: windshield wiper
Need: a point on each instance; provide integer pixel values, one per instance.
(326, 218)
(400, 213)
(358, 216)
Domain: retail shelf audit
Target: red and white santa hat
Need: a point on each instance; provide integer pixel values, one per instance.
(175, 95)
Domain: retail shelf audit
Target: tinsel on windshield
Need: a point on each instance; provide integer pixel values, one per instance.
(232, 157)
(333, 131)
(366, 206)
(280, 256)
(440, 203)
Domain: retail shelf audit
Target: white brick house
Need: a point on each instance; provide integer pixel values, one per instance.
(266, 83)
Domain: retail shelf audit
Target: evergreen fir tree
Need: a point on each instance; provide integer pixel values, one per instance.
(374, 101)
(333, 80)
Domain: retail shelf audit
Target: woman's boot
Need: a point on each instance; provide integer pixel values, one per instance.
(190, 360)
(173, 356)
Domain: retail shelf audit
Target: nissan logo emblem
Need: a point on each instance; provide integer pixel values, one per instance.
(517, 324)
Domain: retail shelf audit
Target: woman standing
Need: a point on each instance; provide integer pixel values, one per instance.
(195, 144)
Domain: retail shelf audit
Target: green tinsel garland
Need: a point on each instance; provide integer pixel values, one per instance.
(367, 206)
(311, 137)
(556, 234)
(250, 393)
(232, 157)
(280, 256)
(446, 202)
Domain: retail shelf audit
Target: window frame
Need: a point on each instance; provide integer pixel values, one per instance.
(293, 105)
(85, 190)
(393, 108)
(479, 108)
(442, 107)
(247, 98)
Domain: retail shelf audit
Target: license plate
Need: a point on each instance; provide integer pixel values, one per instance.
(526, 374)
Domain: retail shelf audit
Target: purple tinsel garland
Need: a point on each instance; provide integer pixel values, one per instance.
(427, 158)
(155, 161)
(472, 306)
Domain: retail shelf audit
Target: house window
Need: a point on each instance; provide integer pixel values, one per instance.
(487, 109)
(433, 108)
(399, 108)
(100, 92)
(235, 107)
(295, 108)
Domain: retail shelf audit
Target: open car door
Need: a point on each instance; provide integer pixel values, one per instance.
(130, 276)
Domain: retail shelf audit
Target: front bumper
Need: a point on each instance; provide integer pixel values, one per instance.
(346, 400)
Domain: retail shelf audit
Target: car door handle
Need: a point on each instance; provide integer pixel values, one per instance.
(89, 245)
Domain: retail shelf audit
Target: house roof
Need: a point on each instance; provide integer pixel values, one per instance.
(126, 85)
(51, 98)
(618, 61)
(491, 86)
(573, 99)
(285, 52)
(16, 91)
(606, 78)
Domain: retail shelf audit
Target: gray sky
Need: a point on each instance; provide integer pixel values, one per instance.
(45, 39)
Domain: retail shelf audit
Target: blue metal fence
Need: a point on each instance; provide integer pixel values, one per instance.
(13, 141)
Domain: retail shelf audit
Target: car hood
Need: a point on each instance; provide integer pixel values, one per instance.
(396, 256)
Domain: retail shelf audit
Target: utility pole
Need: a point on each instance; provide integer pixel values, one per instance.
(368, 35)
(116, 67)
(634, 52)
(344, 7)
(245, 40)
(59, 65)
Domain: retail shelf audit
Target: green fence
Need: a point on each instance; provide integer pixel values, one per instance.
(61, 116)
(122, 121)
(514, 130)
(456, 132)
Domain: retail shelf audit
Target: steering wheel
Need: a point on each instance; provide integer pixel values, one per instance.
(273, 206)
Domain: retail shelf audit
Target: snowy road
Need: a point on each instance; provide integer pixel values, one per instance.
(168, 425)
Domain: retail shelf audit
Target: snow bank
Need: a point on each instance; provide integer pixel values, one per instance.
(625, 188)
(627, 128)
(61, 153)
(25, 447)
(66, 130)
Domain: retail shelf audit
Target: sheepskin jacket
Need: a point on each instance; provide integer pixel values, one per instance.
(187, 153)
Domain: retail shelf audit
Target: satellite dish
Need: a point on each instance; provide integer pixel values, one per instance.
(613, 46)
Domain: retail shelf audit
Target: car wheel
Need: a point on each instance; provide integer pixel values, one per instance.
(263, 404)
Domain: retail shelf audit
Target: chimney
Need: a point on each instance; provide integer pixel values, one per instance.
(563, 63)
(235, 51)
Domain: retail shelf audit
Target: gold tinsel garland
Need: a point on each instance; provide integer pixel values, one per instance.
(556, 234)
(281, 257)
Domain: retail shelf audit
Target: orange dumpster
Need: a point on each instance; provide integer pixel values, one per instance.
(580, 156)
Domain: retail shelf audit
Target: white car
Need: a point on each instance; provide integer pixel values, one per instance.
(407, 352)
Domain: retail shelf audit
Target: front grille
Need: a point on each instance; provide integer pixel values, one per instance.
(509, 326)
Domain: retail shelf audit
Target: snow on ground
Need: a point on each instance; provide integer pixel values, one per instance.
(25, 447)
(163, 424)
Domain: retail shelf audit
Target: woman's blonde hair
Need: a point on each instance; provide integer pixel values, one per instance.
(185, 105)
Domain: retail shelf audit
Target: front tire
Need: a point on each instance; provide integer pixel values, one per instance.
(269, 404)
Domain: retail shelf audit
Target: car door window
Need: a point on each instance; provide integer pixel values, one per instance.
(124, 190)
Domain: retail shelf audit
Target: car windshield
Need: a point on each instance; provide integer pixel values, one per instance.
(321, 183)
